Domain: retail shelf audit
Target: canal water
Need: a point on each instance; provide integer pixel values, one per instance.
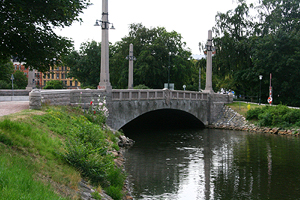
(213, 164)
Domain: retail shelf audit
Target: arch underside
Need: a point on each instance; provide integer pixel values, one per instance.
(164, 118)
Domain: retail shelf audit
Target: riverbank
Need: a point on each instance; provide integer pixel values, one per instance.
(62, 151)
(233, 117)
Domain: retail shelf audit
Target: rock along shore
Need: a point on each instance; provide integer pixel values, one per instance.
(231, 120)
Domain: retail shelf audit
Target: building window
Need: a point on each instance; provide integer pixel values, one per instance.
(76, 83)
(52, 76)
(16, 67)
(44, 83)
(66, 82)
(57, 68)
(19, 67)
(62, 76)
(70, 83)
(57, 76)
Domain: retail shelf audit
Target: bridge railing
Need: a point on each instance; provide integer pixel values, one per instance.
(156, 94)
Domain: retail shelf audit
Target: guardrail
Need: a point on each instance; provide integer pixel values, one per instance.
(156, 94)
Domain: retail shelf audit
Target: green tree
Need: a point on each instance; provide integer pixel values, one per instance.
(278, 51)
(232, 64)
(54, 84)
(26, 30)
(85, 64)
(151, 48)
(7, 70)
(20, 80)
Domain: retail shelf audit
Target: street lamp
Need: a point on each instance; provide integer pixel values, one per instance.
(104, 72)
(260, 78)
(169, 70)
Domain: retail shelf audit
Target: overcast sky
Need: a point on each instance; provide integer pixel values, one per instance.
(191, 18)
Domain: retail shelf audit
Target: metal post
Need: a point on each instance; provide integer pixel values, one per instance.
(260, 78)
(12, 83)
(259, 92)
(169, 72)
(199, 79)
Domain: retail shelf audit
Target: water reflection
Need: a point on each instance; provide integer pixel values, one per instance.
(213, 164)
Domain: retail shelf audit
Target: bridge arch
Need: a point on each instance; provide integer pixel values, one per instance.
(164, 118)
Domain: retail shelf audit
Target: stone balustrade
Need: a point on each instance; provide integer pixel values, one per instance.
(157, 94)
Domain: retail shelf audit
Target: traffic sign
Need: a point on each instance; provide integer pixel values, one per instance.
(270, 100)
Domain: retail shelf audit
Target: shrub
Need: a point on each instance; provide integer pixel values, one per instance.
(141, 86)
(114, 192)
(265, 119)
(275, 116)
(252, 114)
(54, 84)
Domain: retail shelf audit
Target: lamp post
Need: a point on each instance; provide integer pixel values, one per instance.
(12, 83)
(169, 70)
(260, 78)
(104, 72)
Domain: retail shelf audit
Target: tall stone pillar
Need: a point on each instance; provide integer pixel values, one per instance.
(208, 86)
(130, 73)
(104, 71)
(31, 80)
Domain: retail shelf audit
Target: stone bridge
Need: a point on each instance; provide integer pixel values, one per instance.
(128, 104)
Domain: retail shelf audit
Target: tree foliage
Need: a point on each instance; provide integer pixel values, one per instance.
(85, 64)
(151, 48)
(20, 80)
(248, 47)
(7, 69)
(54, 84)
(26, 30)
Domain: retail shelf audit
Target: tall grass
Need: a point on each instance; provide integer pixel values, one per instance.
(16, 181)
(58, 142)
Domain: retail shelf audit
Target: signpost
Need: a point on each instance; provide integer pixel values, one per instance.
(12, 83)
(270, 99)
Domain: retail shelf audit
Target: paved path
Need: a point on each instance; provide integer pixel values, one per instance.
(9, 107)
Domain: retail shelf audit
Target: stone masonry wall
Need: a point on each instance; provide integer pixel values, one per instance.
(229, 118)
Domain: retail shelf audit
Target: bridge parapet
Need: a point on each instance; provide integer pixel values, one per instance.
(157, 94)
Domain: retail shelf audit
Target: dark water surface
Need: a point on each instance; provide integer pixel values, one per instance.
(213, 164)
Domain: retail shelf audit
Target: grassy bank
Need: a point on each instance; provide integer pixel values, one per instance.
(279, 116)
(44, 154)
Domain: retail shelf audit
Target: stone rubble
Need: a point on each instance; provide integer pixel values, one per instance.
(231, 120)
(86, 192)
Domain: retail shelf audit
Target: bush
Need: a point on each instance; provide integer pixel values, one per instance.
(252, 114)
(141, 86)
(275, 116)
(114, 192)
(54, 84)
